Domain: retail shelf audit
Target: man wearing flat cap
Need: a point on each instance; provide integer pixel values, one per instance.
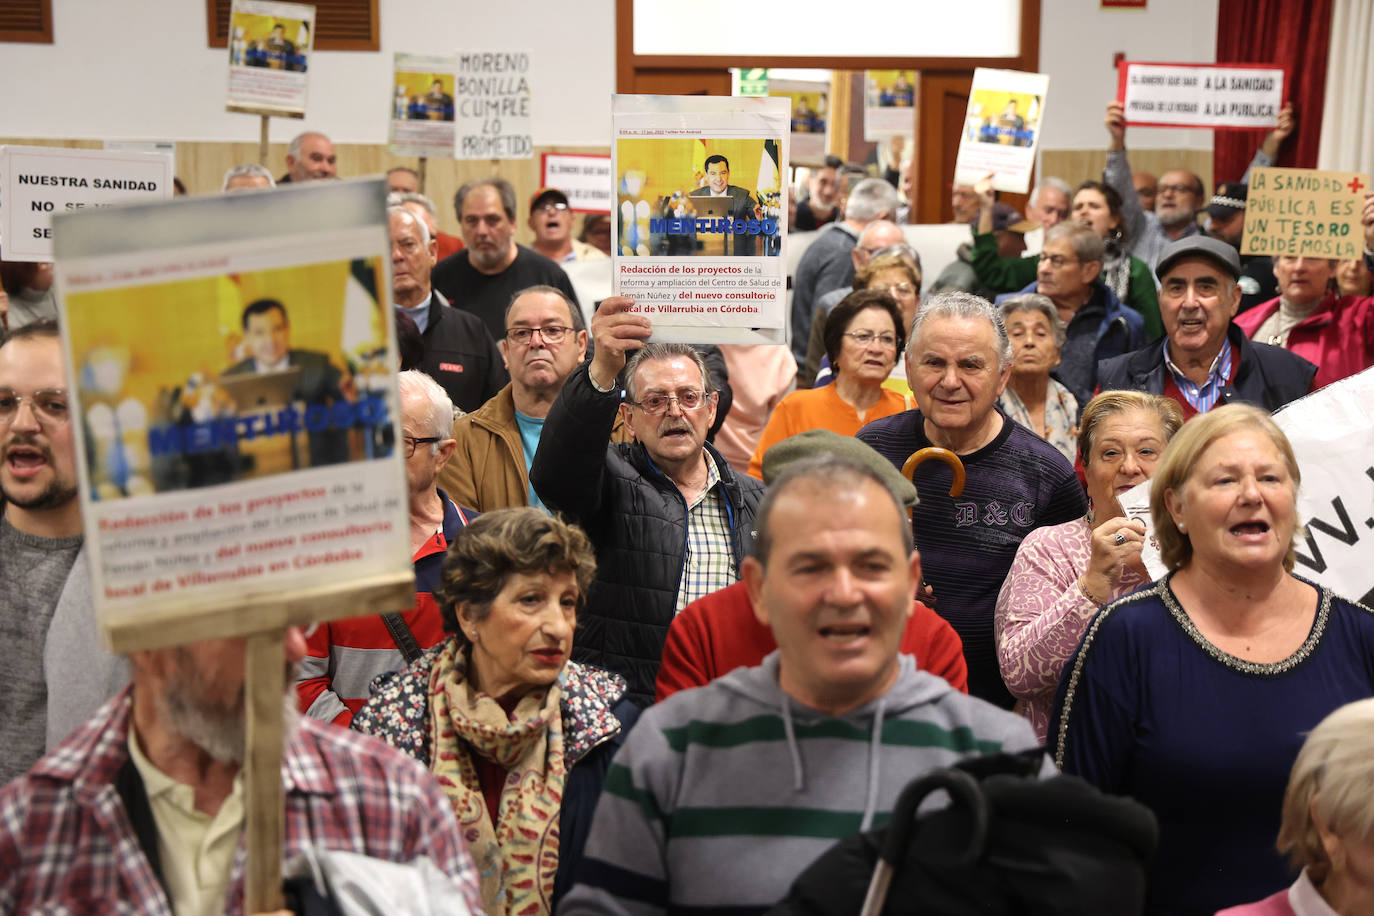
(1204, 359)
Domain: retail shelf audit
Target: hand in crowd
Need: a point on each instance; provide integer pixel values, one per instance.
(616, 331)
(1116, 126)
(1116, 543)
(895, 146)
(1368, 219)
(1274, 139)
(987, 198)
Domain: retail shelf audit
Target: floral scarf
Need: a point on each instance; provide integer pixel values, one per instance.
(516, 851)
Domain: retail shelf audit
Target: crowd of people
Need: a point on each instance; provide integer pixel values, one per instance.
(642, 674)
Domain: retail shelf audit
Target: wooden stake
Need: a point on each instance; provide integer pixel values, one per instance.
(262, 141)
(264, 688)
(421, 171)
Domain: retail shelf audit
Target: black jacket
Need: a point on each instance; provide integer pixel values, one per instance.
(636, 518)
(461, 356)
(1265, 376)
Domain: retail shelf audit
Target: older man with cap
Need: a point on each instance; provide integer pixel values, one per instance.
(722, 795)
(716, 634)
(1204, 359)
(551, 221)
(958, 363)
(1226, 222)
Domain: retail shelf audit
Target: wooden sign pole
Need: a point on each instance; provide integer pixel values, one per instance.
(422, 172)
(262, 141)
(264, 689)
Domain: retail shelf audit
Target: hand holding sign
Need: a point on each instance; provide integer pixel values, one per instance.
(616, 330)
(1116, 126)
(1306, 212)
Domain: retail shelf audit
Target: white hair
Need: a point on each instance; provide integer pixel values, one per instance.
(1058, 184)
(870, 199)
(424, 230)
(437, 408)
(401, 198)
(249, 169)
(958, 304)
(294, 150)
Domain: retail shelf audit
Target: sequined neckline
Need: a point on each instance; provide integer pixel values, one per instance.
(1282, 666)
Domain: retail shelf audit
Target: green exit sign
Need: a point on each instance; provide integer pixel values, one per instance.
(751, 81)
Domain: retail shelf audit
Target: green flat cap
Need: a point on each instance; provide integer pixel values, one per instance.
(821, 441)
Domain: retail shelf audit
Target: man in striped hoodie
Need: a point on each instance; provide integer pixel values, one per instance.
(723, 794)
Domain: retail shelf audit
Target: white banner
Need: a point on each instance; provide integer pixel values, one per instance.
(1002, 129)
(494, 117)
(584, 177)
(40, 182)
(1210, 96)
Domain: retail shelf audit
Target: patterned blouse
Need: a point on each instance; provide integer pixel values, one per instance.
(1061, 417)
(1042, 614)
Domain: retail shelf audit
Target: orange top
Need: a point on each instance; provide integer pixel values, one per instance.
(819, 408)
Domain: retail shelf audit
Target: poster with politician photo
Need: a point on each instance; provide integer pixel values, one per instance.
(700, 215)
(810, 117)
(889, 103)
(422, 106)
(269, 55)
(1002, 129)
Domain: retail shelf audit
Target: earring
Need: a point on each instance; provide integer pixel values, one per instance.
(1182, 528)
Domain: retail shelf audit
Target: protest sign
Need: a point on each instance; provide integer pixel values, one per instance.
(1001, 128)
(231, 366)
(1209, 96)
(269, 54)
(810, 118)
(1305, 212)
(40, 182)
(1332, 434)
(889, 103)
(700, 215)
(584, 177)
(422, 110)
(495, 120)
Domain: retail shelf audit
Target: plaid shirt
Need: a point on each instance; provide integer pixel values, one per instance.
(709, 563)
(66, 844)
(1202, 397)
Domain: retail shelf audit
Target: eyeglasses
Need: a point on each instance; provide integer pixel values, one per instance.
(1057, 260)
(551, 334)
(899, 289)
(687, 399)
(1175, 188)
(552, 207)
(49, 406)
(414, 442)
(864, 338)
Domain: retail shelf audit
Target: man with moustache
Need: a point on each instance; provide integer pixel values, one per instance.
(670, 520)
(152, 787)
(40, 541)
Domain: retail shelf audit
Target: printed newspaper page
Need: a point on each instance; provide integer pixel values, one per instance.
(422, 106)
(1002, 129)
(269, 55)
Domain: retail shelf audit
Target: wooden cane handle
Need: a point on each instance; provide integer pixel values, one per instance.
(939, 454)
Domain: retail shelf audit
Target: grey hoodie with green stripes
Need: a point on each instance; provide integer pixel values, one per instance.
(722, 795)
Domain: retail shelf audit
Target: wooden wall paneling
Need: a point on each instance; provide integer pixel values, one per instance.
(944, 101)
(1078, 165)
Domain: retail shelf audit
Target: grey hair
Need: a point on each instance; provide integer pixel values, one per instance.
(871, 199)
(401, 198)
(959, 304)
(1058, 184)
(504, 188)
(1034, 302)
(402, 211)
(1086, 243)
(294, 150)
(656, 351)
(900, 250)
(579, 322)
(831, 473)
(247, 169)
(439, 415)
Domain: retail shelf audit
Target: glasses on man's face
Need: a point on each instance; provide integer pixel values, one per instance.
(49, 406)
(864, 338)
(552, 206)
(551, 334)
(687, 399)
(414, 442)
(1057, 260)
(1174, 189)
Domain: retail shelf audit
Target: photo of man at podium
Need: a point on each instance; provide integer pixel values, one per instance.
(722, 199)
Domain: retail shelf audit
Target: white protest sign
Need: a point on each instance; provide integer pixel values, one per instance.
(269, 57)
(1210, 96)
(42, 181)
(422, 108)
(1002, 128)
(494, 118)
(584, 177)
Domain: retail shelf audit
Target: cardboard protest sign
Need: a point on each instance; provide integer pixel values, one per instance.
(1332, 434)
(422, 109)
(584, 177)
(494, 117)
(889, 103)
(40, 182)
(232, 370)
(701, 215)
(1207, 96)
(1002, 128)
(1305, 212)
(269, 56)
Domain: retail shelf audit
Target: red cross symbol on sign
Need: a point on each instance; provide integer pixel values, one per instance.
(1355, 186)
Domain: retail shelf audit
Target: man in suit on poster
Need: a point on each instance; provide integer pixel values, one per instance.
(742, 203)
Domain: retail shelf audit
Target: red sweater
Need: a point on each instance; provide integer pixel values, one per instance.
(1338, 336)
(716, 634)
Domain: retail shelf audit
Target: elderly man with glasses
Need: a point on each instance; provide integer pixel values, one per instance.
(343, 656)
(670, 520)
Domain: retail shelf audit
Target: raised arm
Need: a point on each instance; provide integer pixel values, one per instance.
(1117, 172)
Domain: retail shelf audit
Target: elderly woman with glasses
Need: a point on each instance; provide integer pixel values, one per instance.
(1192, 695)
(1033, 399)
(895, 270)
(519, 736)
(864, 337)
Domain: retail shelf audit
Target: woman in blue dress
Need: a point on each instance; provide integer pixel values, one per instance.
(1194, 694)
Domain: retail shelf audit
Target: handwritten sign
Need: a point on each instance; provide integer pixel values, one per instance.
(586, 179)
(41, 181)
(494, 117)
(1208, 96)
(1305, 212)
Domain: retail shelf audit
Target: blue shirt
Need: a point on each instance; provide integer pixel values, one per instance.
(1205, 396)
(420, 313)
(531, 428)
